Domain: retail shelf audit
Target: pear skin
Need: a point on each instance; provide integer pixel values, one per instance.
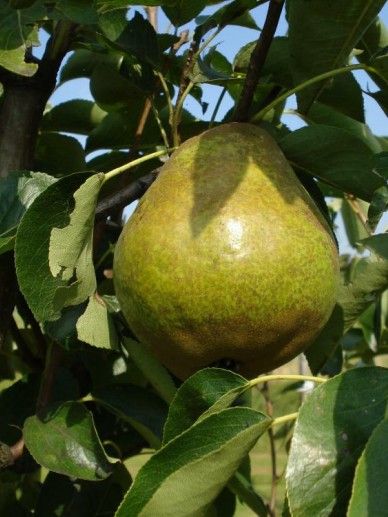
(226, 257)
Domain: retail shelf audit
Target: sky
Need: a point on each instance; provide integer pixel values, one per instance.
(228, 42)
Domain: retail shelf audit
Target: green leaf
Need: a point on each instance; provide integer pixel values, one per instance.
(49, 252)
(322, 114)
(18, 401)
(19, 28)
(355, 230)
(227, 15)
(343, 93)
(14, 61)
(145, 411)
(370, 487)
(111, 90)
(61, 496)
(377, 207)
(196, 395)
(118, 130)
(95, 327)
(243, 489)
(378, 244)
(333, 427)
(78, 11)
(65, 441)
(152, 369)
(324, 346)
(182, 11)
(335, 156)
(322, 36)
(381, 97)
(204, 73)
(81, 63)
(59, 154)
(75, 116)
(17, 192)
(191, 470)
(373, 43)
(139, 39)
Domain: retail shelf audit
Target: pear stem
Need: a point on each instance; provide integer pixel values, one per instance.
(327, 75)
(284, 419)
(115, 172)
(280, 377)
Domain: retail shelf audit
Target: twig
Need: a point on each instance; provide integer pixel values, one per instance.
(53, 359)
(10, 454)
(257, 60)
(152, 14)
(128, 194)
(217, 107)
(275, 477)
(25, 353)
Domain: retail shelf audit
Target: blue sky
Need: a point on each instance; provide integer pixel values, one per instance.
(228, 43)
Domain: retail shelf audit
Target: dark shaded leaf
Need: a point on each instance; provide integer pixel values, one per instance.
(59, 154)
(65, 441)
(335, 156)
(75, 116)
(145, 411)
(322, 36)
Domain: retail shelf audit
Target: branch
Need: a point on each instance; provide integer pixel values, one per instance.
(128, 194)
(257, 61)
(53, 359)
(275, 477)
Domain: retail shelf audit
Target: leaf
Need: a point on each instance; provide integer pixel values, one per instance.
(321, 114)
(334, 156)
(95, 327)
(182, 11)
(14, 61)
(78, 11)
(139, 39)
(46, 261)
(324, 346)
(191, 470)
(70, 249)
(65, 441)
(381, 97)
(354, 228)
(196, 395)
(377, 207)
(370, 487)
(243, 489)
(145, 411)
(333, 427)
(18, 401)
(204, 73)
(19, 28)
(111, 90)
(61, 496)
(75, 116)
(378, 244)
(81, 63)
(17, 192)
(118, 130)
(373, 42)
(226, 15)
(59, 154)
(153, 371)
(322, 36)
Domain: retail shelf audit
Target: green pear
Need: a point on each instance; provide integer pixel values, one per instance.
(226, 260)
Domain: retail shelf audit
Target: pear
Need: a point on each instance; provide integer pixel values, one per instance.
(226, 260)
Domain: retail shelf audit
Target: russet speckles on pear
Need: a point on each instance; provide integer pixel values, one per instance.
(226, 258)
